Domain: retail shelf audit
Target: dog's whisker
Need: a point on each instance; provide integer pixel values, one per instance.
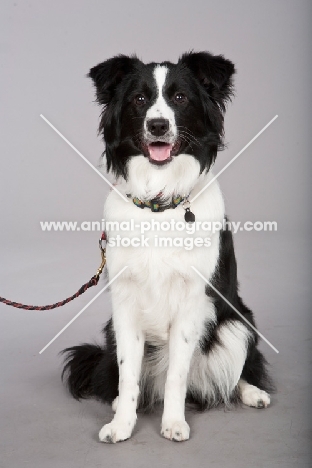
(189, 138)
(182, 129)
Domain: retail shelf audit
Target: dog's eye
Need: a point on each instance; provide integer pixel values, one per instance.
(180, 98)
(140, 100)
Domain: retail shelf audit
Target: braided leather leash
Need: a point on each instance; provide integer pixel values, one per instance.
(93, 282)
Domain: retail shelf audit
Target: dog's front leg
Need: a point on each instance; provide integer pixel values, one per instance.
(130, 348)
(182, 342)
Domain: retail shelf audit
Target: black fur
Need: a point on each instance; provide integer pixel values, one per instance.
(91, 370)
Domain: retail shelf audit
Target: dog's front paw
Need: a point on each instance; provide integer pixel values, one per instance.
(175, 430)
(116, 432)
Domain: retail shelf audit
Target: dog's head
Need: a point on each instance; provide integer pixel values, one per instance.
(162, 110)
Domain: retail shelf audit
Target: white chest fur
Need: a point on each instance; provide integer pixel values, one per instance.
(159, 279)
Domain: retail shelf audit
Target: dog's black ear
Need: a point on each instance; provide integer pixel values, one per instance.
(214, 73)
(108, 75)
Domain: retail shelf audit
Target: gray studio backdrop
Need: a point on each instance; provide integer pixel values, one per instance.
(46, 50)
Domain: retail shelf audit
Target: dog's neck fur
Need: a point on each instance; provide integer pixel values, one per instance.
(146, 181)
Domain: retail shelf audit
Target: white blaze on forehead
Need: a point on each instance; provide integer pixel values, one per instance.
(160, 108)
(160, 74)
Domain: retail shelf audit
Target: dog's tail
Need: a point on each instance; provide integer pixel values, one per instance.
(91, 371)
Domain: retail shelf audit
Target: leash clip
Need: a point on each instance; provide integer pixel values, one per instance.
(102, 247)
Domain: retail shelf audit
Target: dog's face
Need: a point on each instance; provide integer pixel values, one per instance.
(162, 110)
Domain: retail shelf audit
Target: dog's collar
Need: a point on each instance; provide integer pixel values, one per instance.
(157, 204)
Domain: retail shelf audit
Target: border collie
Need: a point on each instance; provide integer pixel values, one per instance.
(171, 338)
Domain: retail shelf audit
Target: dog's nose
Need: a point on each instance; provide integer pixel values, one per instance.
(158, 127)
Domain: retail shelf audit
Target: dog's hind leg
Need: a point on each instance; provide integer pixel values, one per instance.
(215, 372)
(255, 381)
(252, 395)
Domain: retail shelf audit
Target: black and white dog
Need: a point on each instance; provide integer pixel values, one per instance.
(171, 337)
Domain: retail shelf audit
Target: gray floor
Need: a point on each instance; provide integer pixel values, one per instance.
(42, 426)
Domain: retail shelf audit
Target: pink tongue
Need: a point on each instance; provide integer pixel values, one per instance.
(159, 153)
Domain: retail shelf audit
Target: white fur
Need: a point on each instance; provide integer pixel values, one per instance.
(115, 404)
(253, 396)
(214, 377)
(217, 375)
(147, 180)
(160, 108)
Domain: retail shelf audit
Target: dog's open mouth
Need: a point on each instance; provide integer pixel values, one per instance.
(160, 152)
